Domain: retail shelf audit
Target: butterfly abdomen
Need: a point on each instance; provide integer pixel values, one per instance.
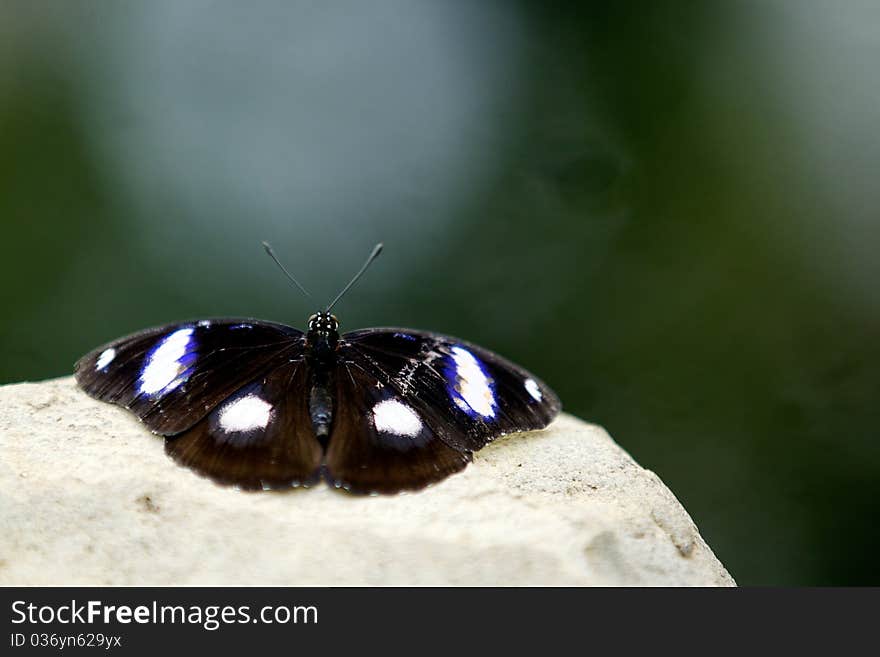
(321, 403)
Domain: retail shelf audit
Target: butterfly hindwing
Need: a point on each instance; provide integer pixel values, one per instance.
(380, 443)
(260, 437)
(435, 395)
(173, 376)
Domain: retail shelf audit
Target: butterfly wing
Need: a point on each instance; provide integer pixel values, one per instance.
(413, 406)
(380, 443)
(260, 437)
(172, 376)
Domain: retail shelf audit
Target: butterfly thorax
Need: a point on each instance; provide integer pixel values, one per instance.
(322, 341)
(322, 337)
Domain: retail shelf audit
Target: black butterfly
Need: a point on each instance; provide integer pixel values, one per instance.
(261, 405)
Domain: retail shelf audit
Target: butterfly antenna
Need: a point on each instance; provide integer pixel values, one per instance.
(375, 254)
(272, 255)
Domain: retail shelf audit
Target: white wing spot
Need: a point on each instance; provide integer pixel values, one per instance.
(246, 414)
(395, 417)
(163, 364)
(462, 404)
(533, 389)
(105, 358)
(474, 386)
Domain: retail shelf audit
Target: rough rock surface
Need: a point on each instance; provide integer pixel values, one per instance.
(88, 496)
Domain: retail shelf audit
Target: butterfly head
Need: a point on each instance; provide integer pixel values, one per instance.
(323, 322)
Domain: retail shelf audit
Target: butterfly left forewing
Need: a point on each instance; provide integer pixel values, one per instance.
(458, 394)
(483, 394)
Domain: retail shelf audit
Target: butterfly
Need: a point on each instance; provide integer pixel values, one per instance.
(263, 406)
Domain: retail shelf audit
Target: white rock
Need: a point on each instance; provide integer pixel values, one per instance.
(88, 496)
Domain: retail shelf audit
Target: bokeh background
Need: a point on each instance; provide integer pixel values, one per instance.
(667, 210)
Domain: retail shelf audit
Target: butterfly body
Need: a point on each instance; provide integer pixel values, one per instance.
(261, 405)
(322, 342)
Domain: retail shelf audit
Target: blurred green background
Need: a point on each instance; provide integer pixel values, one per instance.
(667, 210)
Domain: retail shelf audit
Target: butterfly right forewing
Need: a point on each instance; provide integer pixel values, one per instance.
(172, 376)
